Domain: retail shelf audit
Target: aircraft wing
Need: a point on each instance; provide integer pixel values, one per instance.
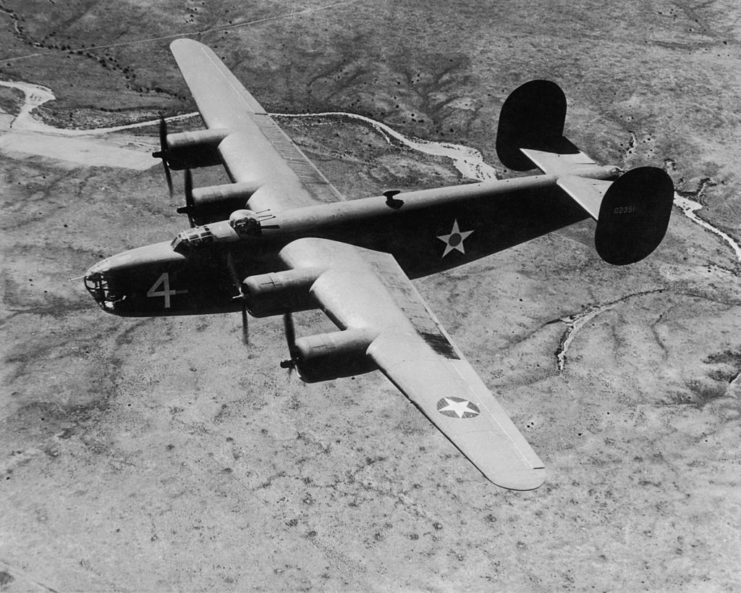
(255, 151)
(368, 290)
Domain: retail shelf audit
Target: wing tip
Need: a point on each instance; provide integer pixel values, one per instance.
(184, 42)
(522, 481)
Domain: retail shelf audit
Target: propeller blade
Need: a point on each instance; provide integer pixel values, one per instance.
(290, 334)
(162, 153)
(168, 176)
(245, 326)
(238, 285)
(163, 134)
(290, 330)
(189, 201)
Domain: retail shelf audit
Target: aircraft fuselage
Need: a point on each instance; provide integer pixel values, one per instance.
(427, 231)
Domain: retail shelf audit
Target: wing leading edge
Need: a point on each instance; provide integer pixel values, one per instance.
(367, 290)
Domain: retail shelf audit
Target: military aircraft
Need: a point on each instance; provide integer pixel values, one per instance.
(280, 239)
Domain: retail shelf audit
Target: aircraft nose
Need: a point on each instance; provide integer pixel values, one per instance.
(97, 283)
(94, 285)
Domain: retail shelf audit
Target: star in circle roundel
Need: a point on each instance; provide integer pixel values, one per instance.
(457, 407)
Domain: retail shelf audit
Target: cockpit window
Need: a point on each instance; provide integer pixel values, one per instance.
(192, 239)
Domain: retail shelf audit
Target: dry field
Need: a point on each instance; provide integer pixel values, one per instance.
(161, 454)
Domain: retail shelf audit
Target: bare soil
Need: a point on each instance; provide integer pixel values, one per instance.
(161, 454)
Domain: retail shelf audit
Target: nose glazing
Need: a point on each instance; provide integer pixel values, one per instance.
(97, 283)
(96, 286)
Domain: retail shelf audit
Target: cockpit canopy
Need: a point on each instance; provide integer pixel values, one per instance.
(241, 224)
(191, 239)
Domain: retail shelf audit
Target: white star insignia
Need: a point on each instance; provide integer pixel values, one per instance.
(454, 240)
(457, 407)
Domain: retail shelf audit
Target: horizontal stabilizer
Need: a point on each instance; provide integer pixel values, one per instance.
(554, 163)
(573, 163)
(588, 193)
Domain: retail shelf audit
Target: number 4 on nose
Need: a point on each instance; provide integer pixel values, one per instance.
(164, 282)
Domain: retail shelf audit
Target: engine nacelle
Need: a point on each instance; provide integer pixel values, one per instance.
(333, 355)
(217, 202)
(280, 292)
(191, 150)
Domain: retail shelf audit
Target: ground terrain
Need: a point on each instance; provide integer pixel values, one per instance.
(164, 455)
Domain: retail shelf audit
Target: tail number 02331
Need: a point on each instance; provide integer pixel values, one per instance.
(161, 288)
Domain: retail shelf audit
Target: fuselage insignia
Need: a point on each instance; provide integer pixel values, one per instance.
(454, 240)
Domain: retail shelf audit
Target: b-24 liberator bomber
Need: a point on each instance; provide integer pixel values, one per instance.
(281, 239)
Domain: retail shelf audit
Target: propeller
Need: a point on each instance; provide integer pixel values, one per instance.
(290, 330)
(162, 153)
(189, 201)
(241, 296)
(245, 326)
